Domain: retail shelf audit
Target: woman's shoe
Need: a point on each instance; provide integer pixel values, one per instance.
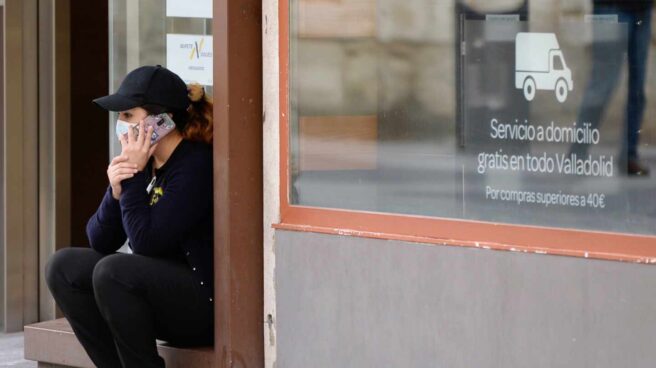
(634, 168)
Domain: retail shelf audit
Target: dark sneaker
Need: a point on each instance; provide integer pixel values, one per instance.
(635, 168)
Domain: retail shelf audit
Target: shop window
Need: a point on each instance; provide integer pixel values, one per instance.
(531, 114)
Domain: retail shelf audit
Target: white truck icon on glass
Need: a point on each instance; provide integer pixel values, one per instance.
(540, 65)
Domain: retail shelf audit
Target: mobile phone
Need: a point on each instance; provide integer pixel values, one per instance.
(162, 125)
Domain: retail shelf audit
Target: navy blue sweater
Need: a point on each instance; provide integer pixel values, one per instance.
(174, 220)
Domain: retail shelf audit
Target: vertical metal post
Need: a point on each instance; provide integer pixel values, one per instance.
(2, 166)
(54, 159)
(20, 128)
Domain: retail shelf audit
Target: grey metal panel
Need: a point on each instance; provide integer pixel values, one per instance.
(2, 168)
(54, 179)
(20, 171)
(354, 302)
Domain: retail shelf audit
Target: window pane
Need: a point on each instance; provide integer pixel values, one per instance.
(557, 63)
(504, 110)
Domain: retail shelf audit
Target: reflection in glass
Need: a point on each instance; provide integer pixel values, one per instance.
(392, 103)
(607, 62)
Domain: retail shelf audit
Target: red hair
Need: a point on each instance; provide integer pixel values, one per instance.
(199, 125)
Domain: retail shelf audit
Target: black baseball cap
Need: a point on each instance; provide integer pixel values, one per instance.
(148, 85)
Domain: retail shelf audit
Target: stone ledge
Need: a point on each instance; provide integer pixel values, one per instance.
(53, 344)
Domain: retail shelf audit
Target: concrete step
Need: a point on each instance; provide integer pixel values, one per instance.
(54, 343)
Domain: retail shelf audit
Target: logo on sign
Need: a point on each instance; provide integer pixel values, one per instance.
(540, 65)
(197, 50)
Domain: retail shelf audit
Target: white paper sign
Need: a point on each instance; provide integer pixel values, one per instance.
(189, 8)
(190, 56)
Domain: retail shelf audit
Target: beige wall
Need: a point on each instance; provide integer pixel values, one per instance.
(353, 50)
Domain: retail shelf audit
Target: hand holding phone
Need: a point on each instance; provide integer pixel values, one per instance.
(133, 147)
(162, 125)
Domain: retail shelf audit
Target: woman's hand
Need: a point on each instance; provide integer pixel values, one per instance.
(138, 150)
(118, 170)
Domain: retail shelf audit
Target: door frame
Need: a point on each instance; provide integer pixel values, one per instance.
(238, 198)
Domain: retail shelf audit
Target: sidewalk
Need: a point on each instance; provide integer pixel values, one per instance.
(11, 351)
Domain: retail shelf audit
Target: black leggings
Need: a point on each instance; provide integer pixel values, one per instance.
(118, 304)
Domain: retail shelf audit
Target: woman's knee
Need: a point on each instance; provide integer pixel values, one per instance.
(106, 273)
(58, 264)
(71, 268)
